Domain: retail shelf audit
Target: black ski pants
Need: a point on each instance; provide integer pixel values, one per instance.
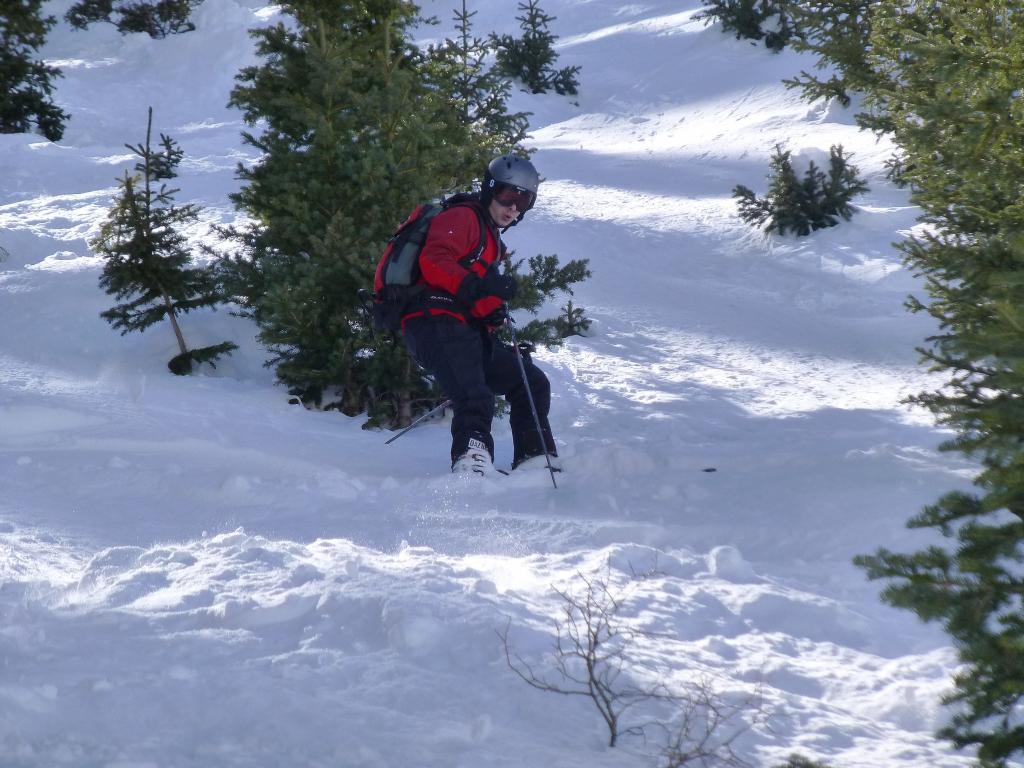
(471, 368)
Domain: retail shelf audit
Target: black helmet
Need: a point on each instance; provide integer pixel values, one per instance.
(512, 171)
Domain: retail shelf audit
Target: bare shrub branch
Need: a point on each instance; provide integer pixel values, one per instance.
(709, 727)
(592, 657)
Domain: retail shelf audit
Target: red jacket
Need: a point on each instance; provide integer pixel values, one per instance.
(446, 265)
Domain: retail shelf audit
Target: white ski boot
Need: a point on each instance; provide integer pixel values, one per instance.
(476, 460)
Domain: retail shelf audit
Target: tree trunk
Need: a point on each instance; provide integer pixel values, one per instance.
(404, 418)
(174, 324)
(404, 414)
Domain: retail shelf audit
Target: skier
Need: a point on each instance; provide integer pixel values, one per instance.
(448, 330)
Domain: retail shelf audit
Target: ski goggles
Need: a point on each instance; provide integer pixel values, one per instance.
(508, 195)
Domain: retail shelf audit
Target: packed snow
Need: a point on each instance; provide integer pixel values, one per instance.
(196, 573)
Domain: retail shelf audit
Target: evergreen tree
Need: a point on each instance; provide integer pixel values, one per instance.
(817, 201)
(157, 19)
(572, 321)
(147, 260)
(838, 32)
(545, 280)
(742, 17)
(26, 84)
(358, 127)
(531, 58)
(480, 94)
(767, 20)
(949, 76)
(353, 136)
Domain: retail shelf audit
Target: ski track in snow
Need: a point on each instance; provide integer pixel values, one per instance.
(195, 573)
(651, 365)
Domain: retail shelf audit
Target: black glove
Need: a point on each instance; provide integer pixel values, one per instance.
(474, 288)
(470, 289)
(497, 317)
(496, 284)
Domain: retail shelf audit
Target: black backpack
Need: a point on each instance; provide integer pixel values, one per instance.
(396, 283)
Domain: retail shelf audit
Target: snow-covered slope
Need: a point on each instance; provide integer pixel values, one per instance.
(195, 573)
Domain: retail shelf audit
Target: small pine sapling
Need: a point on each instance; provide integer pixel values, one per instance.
(480, 94)
(801, 206)
(147, 261)
(531, 58)
(572, 321)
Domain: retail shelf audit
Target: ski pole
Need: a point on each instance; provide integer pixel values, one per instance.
(529, 396)
(425, 416)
